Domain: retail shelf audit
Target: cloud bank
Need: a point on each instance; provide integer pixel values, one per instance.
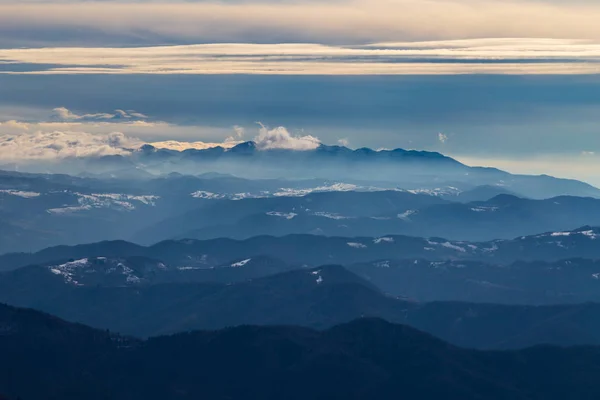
(29, 143)
(29, 146)
(67, 134)
(493, 56)
(85, 137)
(131, 123)
(24, 23)
(267, 139)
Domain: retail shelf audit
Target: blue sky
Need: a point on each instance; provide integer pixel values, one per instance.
(441, 75)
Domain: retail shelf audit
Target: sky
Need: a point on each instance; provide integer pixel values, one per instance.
(508, 83)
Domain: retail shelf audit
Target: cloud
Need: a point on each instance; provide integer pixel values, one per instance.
(23, 24)
(492, 56)
(343, 142)
(280, 138)
(69, 134)
(442, 137)
(62, 119)
(267, 139)
(56, 145)
(99, 134)
(64, 114)
(12, 124)
(239, 133)
(588, 153)
(32, 146)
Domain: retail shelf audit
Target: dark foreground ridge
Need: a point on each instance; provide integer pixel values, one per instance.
(47, 358)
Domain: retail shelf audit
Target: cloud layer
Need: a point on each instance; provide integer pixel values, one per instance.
(63, 22)
(29, 146)
(85, 137)
(64, 114)
(31, 142)
(495, 56)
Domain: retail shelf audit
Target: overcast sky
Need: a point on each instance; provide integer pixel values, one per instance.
(513, 84)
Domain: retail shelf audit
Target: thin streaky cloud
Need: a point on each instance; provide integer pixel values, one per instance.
(493, 56)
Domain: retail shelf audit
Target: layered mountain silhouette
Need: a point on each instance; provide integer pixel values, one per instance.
(43, 210)
(535, 282)
(314, 250)
(405, 167)
(316, 298)
(376, 214)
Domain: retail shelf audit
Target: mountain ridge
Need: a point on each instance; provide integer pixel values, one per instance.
(316, 249)
(315, 298)
(405, 168)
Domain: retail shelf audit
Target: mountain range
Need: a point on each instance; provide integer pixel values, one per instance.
(405, 168)
(43, 210)
(353, 214)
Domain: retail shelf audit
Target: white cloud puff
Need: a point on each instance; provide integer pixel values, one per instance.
(63, 144)
(280, 138)
(344, 142)
(442, 137)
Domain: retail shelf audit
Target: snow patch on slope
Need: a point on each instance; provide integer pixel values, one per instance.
(447, 245)
(406, 215)
(201, 194)
(438, 192)
(589, 233)
(116, 201)
(356, 245)
(336, 187)
(290, 215)
(484, 209)
(67, 270)
(20, 193)
(330, 215)
(241, 263)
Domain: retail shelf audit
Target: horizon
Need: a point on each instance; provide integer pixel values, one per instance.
(502, 84)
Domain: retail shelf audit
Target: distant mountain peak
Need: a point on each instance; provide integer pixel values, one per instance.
(243, 148)
(147, 148)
